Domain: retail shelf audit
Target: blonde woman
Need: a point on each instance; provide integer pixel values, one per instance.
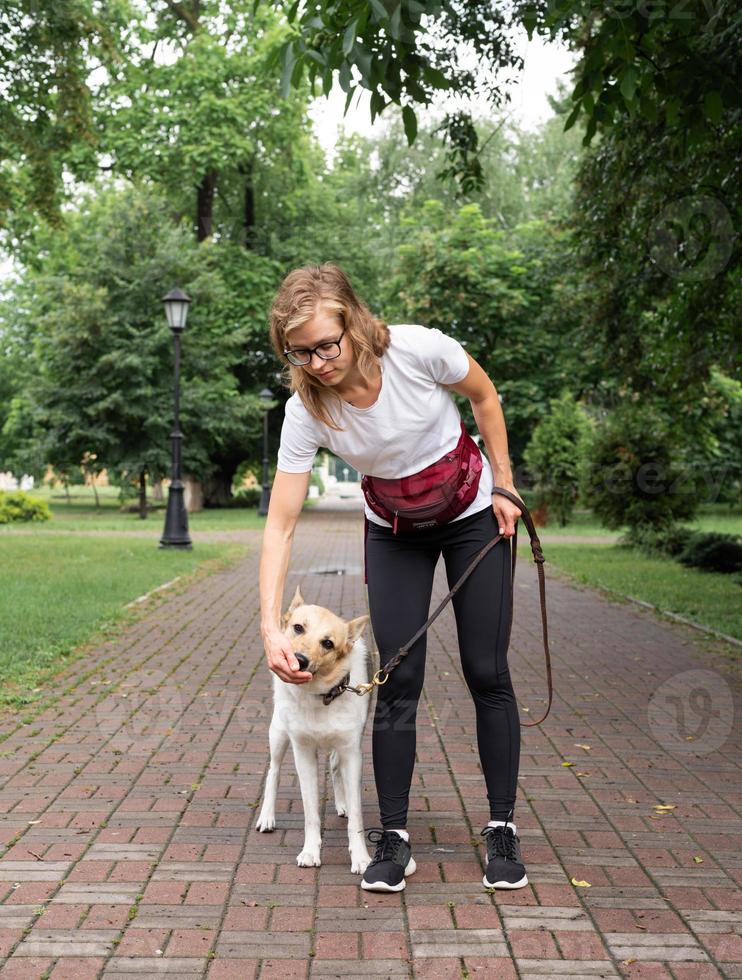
(378, 396)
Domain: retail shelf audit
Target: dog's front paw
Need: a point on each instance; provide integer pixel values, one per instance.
(309, 858)
(266, 821)
(341, 809)
(359, 862)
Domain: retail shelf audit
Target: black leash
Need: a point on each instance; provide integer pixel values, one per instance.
(538, 558)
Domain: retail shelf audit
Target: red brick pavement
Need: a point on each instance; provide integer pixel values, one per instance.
(128, 803)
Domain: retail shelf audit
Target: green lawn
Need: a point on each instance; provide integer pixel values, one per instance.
(708, 598)
(57, 592)
(80, 514)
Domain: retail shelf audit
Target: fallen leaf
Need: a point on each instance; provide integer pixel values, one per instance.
(664, 807)
(580, 884)
(579, 745)
(568, 763)
(582, 774)
(697, 859)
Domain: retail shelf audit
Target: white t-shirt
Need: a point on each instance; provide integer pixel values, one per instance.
(412, 423)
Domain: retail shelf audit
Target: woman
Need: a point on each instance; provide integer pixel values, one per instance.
(378, 396)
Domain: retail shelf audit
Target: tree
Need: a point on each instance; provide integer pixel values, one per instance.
(555, 454)
(102, 370)
(678, 67)
(201, 120)
(490, 289)
(48, 52)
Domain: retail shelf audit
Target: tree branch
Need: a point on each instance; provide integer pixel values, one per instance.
(181, 11)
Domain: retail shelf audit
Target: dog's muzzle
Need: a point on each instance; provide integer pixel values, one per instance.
(303, 662)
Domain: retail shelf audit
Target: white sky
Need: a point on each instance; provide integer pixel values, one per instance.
(544, 65)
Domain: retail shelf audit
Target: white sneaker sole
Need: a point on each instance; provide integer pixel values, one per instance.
(505, 884)
(382, 886)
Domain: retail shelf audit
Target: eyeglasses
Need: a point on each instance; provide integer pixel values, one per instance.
(303, 355)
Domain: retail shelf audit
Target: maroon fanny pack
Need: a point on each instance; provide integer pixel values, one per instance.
(434, 495)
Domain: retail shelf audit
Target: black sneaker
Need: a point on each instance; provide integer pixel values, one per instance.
(505, 868)
(391, 862)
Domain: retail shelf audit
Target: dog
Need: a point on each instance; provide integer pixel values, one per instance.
(328, 647)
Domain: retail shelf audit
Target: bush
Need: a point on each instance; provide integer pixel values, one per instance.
(713, 552)
(553, 455)
(669, 540)
(632, 477)
(19, 506)
(710, 551)
(246, 497)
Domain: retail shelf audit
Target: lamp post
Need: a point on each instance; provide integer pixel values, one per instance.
(266, 398)
(176, 534)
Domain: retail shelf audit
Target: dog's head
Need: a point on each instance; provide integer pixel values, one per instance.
(323, 638)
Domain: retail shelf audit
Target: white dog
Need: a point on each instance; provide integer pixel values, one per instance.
(329, 647)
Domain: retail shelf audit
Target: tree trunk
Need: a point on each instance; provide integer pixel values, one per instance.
(205, 206)
(217, 489)
(143, 494)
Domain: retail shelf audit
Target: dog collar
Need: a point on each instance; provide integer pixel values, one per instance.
(336, 691)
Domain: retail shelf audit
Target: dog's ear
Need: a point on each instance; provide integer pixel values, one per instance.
(355, 627)
(298, 600)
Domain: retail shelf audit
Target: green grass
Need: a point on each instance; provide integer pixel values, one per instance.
(81, 514)
(711, 517)
(57, 592)
(708, 598)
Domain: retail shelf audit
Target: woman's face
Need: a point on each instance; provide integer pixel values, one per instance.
(322, 329)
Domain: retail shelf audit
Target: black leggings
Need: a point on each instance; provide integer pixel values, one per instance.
(400, 572)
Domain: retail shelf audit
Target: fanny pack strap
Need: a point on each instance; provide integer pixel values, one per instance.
(538, 558)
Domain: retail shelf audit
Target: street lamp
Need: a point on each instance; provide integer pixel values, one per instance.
(266, 400)
(176, 534)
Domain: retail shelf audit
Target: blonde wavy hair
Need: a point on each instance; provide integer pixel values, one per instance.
(300, 296)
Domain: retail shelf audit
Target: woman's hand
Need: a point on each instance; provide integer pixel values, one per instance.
(506, 512)
(281, 658)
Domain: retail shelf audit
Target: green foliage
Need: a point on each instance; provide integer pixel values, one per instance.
(676, 66)
(385, 47)
(47, 51)
(103, 354)
(247, 497)
(493, 291)
(673, 65)
(713, 552)
(16, 506)
(555, 453)
(632, 476)
(316, 480)
(709, 551)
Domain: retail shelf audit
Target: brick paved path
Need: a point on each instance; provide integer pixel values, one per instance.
(128, 803)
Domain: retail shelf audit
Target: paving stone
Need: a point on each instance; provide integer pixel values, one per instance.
(67, 942)
(153, 966)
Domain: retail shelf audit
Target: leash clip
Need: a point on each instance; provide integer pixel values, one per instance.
(367, 688)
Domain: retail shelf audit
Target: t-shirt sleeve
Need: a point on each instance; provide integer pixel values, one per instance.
(299, 443)
(444, 357)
